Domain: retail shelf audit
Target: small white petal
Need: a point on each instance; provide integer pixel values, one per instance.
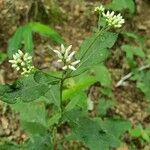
(65, 67)
(23, 64)
(59, 60)
(20, 52)
(62, 48)
(12, 61)
(18, 60)
(71, 67)
(14, 65)
(67, 51)
(14, 56)
(71, 55)
(75, 62)
(17, 68)
(17, 55)
(58, 54)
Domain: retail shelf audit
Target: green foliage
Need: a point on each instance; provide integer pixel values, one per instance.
(105, 77)
(25, 90)
(32, 117)
(138, 38)
(103, 106)
(116, 127)
(45, 78)
(94, 50)
(53, 101)
(131, 52)
(143, 82)
(79, 100)
(53, 95)
(3, 57)
(119, 5)
(86, 79)
(37, 142)
(24, 35)
(15, 42)
(97, 134)
(139, 132)
(46, 31)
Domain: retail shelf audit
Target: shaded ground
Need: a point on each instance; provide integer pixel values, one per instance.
(75, 24)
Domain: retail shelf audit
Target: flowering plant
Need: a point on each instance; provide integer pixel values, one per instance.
(69, 103)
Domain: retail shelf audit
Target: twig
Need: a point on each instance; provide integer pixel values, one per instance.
(122, 81)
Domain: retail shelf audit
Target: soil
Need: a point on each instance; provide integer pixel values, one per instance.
(75, 21)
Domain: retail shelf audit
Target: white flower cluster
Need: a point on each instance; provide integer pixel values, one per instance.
(22, 62)
(100, 9)
(113, 20)
(66, 57)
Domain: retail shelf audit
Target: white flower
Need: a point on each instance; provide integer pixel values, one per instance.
(113, 20)
(100, 9)
(66, 57)
(22, 62)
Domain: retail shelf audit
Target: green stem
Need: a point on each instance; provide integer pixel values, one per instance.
(99, 21)
(54, 130)
(61, 93)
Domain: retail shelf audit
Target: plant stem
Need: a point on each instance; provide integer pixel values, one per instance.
(61, 92)
(99, 21)
(54, 130)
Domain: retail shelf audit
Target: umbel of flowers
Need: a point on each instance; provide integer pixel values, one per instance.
(65, 56)
(22, 62)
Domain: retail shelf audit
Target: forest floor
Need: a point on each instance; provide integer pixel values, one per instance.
(74, 23)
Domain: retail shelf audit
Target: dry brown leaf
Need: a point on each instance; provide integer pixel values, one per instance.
(4, 121)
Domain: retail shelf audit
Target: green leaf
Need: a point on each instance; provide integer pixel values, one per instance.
(31, 90)
(83, 81)
(54, 119)
(23, 37)
(25, 90)
(136, 132)
(46, 31)
(92, 133)
(94, 50)
(46, 78)
(36, 142)
(32, 117)
(39, 142)
(53, 95)
(138, 38)
(9, 93)
(80, 100)
(10, 146)
(15, 42)
(3, 56)
(27, 39)
(118, 5)
(133, 50)
(102, 75)
(116, 127)
(143, 83)
(103, 106)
